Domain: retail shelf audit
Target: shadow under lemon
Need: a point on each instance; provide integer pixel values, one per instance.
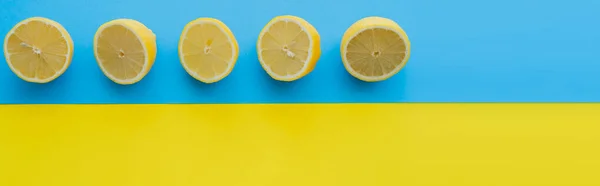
(281, 88)
(39, 92)
(394, 87)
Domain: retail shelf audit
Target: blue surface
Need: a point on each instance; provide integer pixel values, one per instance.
(462, 51)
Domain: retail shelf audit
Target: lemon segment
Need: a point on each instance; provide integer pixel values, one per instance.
(125, 50)
(288, 48)
(208, 49)
(374, 49)
(38, 49)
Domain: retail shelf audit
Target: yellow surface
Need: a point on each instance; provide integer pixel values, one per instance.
(288, 48)
(125, 50)
(374, 49)
(208, 49)
(288, 145)
(38, 49)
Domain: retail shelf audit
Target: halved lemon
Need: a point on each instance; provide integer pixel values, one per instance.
(125, 50)
(207, 49)
(374, 49)
(288, 48)
(38, 49)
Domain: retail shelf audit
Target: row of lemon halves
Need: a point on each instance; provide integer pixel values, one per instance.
(40, 50)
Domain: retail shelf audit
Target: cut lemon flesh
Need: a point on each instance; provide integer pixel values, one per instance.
(288, 48)
(374, 49)
(125, 50)
(38, 50)
(207, 49)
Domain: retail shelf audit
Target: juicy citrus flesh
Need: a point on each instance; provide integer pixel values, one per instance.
(375, 52)
(125, 50)
(38, 50)
(208, 50)
(288, 48)
(374, 49)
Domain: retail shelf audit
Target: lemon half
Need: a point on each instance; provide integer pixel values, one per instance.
(374, 49)
(125, 50)
(38, 49)
(288, 48)
(207, 49)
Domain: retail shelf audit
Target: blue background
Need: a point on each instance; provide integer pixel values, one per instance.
(462, 51)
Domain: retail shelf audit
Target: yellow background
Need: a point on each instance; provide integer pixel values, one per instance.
(300, 144)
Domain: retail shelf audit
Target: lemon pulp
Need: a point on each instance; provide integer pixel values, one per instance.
(125, 50)
(288, 48)
(38, 50)
(207, 50)
(374, 49)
